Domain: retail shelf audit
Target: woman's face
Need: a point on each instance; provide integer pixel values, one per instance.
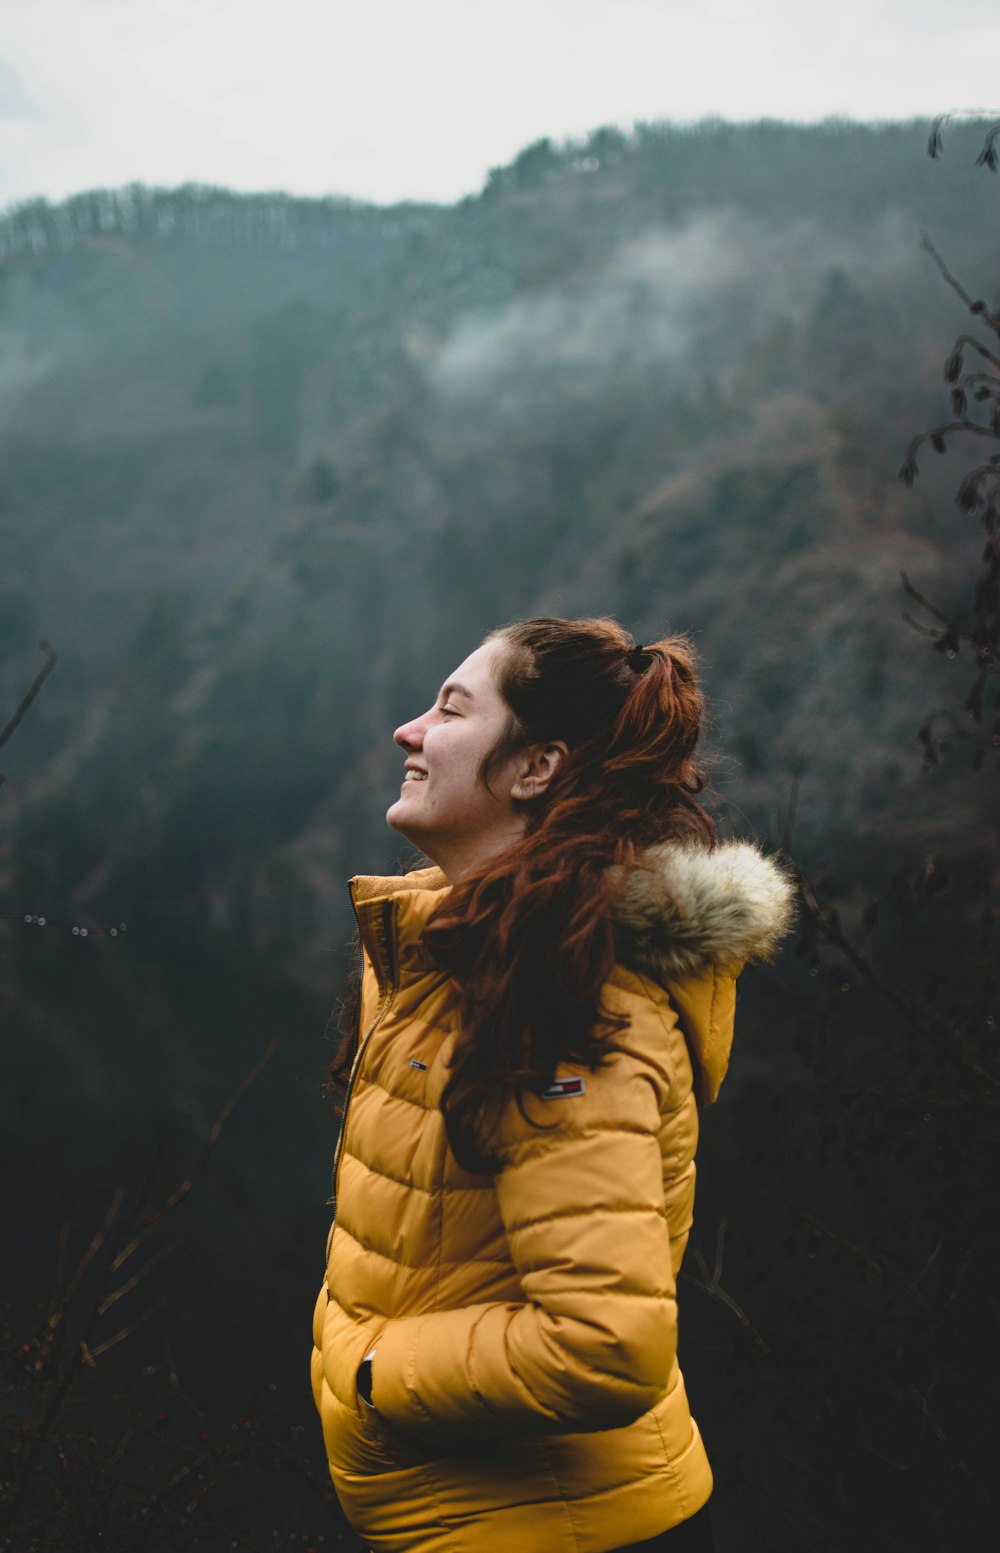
(443, 807)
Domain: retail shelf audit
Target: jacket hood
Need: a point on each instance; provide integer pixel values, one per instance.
(690, 919)
(685, 909)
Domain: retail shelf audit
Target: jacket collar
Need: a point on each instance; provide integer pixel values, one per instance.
(391, 911)
(681, 911)
(686, 916)
(366, 887)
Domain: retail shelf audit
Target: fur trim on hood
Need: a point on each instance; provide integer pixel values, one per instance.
(685, 908)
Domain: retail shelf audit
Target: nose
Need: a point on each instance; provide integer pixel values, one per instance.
(410, 736)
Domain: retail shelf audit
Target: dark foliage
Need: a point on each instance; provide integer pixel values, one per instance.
(103, 1443)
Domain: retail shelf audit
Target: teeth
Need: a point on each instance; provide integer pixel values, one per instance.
(415, 776)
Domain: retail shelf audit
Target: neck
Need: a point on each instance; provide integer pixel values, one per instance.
(466, 858)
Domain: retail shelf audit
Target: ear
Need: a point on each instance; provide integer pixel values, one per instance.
(537, 768)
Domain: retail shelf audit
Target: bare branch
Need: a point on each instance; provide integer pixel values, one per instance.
(26, 700)
(966, 341)
(120, 1449)
(867, 1258)
(90, 1354)
(932, 609)
(94, 1247)
(829, 925)
(953, 281)
(188, 1185)
(175, 1380)
(130, 1283)
(709, 1284)
(149, 1181)
(918, 625)
(55, 1309)
(928, 1264)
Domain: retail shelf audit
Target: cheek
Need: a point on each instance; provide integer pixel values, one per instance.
(458, 776)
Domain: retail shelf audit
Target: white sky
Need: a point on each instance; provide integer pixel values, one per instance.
(397, 99)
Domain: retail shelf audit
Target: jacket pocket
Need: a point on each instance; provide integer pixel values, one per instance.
(344, 1344)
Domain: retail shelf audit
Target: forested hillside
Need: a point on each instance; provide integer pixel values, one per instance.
(270, 466)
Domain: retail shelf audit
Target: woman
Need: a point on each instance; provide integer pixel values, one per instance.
(541, 1011)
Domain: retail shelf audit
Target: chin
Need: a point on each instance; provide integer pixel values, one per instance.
(397, 821)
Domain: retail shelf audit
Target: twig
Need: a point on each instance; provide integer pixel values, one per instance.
(928, 1264)
(55, 1309)
(830, 926)
(26, 700)
(710, 1284)
(120, 1449)
(34, 1431)
(94, 1353)
(94, 1247)
(149, 1181)
(175, 1380)
(932, 609)
(918, 626)
(953, 282)
(130, 1283)
(868, 1259)
(187, 1186)
(946, 429)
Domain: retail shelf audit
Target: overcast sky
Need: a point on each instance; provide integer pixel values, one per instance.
(417, 99)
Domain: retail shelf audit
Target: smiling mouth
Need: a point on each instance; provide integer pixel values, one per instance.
(414, 776)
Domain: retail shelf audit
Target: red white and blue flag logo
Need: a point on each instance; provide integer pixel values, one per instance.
(564, 1089)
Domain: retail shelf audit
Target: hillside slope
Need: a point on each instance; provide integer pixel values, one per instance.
(271, 464)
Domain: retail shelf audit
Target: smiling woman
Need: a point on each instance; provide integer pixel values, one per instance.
(542, 1011)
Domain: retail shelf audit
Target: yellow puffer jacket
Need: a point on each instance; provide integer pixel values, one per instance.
(525, 1381)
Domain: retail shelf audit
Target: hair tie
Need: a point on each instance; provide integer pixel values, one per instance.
(639, 659)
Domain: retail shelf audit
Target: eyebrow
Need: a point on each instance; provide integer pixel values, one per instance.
(454, 688)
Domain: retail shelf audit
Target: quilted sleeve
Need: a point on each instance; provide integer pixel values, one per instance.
(593, 1344)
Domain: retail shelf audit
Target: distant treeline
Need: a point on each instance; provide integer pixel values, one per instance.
(680, 157)
(200, 214)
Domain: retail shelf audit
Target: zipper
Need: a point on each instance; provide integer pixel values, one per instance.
(385, 960)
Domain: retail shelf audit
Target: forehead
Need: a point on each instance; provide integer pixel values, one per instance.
(475, 676)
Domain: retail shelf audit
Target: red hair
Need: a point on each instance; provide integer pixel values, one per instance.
(528, 936)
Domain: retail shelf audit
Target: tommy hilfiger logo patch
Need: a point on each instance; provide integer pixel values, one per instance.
(564, 1088)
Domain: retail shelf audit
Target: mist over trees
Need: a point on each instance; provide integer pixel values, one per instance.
(269, 467)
